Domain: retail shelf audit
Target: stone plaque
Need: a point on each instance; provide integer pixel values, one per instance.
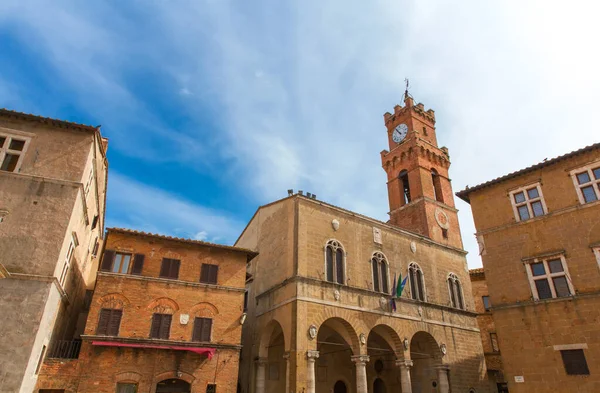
(377, 235)
(184, 319)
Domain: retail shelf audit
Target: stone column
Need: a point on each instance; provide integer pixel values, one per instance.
(361, 372)
(261, 366)
(443, 378)
(286, 357)
(311, 357)
(405, 383)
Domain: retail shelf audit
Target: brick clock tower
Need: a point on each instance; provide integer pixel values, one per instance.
(419, 190)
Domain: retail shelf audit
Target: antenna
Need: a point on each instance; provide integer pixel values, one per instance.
(407, 83)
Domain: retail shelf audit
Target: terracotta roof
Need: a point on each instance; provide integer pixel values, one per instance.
(476, 271)
(251, 254)
(46, 120)
(464, 194)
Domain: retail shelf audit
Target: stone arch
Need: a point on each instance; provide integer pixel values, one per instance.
(115, 301)
(164, 305)
(273, 327)
(128, 376)
(422, 341)
(178, 374)
(345, 330)
(204, 310)
(426, 356)
(391, 337)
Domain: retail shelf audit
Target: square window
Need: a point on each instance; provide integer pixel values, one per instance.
(538, 209)
(121, 264)
(543, 289)
(589, 195)
(520, 197)
(2, 140)
(596, 173)
(523, 212)
(10, 162)
(561, 287)
(555, 266)
(170, 268)
(486, 303)
(533, 193)
(17, 145)
(583, 178)
(538, 269)
(211, 388)
(574, 362)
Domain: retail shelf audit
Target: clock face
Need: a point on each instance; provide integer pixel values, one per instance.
(400, 133)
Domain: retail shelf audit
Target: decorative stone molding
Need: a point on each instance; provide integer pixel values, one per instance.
(336, 294)
(335, 224)
(312, 332)
(377, 235)
(442, 218)
(360, 359)
(184, 319)
(311, 355)
(413, 247)
(362, 338)
(164, 305)
(443, 349)
(115, 301)
(404, 363)
(406, 344)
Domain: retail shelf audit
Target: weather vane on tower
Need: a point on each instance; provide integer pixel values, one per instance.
(407, 83)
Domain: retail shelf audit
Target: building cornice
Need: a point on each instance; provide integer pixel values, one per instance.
(168, 281)
(145, 340)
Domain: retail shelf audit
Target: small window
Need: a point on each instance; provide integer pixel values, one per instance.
(208, 273)
(246, 300)
(549, 278)
(109, 322)
(122, 263)
(40, 360)
(202, 329)
(380, 273)
(587, 183)
(528, 202)
(417, 284)
(211, 388)
(455, 290)
(170, 268)
(334, 262)
(444, 233)
(486, 303)
(94, 222)
(127, 388)
(574, 362)
(425, 131)
(404, 187)
(68, 261)
(494, 342)
(12, 149)
(161, 326)
(437, 186)
(119, 262)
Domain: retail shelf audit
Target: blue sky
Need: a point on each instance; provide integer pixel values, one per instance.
(214, 107)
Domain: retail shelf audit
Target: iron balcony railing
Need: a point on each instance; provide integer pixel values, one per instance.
(66, 349)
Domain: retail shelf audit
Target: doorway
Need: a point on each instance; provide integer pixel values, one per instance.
(378, 386)
(340, 387)
(173, 385)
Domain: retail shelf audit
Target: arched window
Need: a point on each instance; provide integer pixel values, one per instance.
(404, 187)
(334, 262)
(380, 273)
(437, 186)
(455, 289)
(417, 284)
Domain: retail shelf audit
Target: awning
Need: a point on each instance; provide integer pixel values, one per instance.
(209, 352)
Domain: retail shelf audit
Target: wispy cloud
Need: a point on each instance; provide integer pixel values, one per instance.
(132, 204)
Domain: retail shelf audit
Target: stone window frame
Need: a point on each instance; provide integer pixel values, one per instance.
(458, 301)
(595, 182)
(528, 201)
(548, 276)
(382, 260)
(67, 264)
(335, 244)
(9, 135)
(415, 266)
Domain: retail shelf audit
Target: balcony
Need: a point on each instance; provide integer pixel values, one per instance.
(65, 349)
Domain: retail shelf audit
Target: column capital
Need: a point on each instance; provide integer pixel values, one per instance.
(360, 359)
(312, 355)
(261, 361)
(404, 363)
(443, 367)
(286, 356)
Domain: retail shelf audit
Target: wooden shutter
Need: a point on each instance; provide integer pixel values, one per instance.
(213, 273)
(206, 329)
(164, 268)
(114, 323)
(202, 329)
(170, 268)
(155, 329)
(165, 326)
(138, 264)
(107, 260)
(174, 271)
(103, 321)
(209, 273)
(204, 270)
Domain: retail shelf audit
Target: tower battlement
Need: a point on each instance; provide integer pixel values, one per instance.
(409, 104)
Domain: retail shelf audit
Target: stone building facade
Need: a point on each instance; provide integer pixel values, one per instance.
(53, 177)
(320, 311)
(539, 236)
(166, 316)
(489, 336)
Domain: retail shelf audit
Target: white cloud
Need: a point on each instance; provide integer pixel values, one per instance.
(132, 204)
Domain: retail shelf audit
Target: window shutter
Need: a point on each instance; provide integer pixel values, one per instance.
(138, 264)
(213, 272)
(165, 267)
(165, 326)
(197, 330)
(206, 329)
(204, 273)
(103, 322)
(107, 260)
(155, 329)
(174, 272)
(115, 322)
